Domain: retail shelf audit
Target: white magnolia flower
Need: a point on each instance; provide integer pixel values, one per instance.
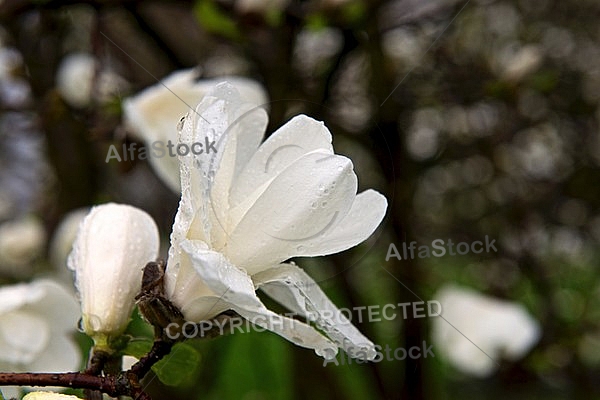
(500, 328)
(49, 396)
(153, 114)
(36, 321)
(248, 208)
(113, 245)
(21, 242)
(75, 78)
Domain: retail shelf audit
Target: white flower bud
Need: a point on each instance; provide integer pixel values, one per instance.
(113, 245)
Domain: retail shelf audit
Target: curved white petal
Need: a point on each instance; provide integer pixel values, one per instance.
(237, 292)
(58, 305)
(294, 289)
(298, 136)
(300, 205)
(23, 336)
(35, 335)
(237, 129)
(113, 245)
(186, 290)
(365, 215)
(15, 296)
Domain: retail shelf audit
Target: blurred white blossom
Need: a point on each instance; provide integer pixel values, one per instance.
(22, 241)
(36, 320)
(260, 6)
(153, 114)
(75, 78)
(250, 207)
(515, 62)
(80, 79)
(113, 245)
(501, 330)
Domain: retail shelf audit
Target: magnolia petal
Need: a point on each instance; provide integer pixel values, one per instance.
(297, 137)
(189, 293)
(153, 114)
(236, 289)
(15, 296)
(61, 355)
(301, 204)
(294, 289)
(236, 129)
(113, 245)
(240, 141)
(23, 336)
(58, 305)
(365, 215)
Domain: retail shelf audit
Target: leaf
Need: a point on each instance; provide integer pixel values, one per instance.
(138, 347)
(214, 20)
(176, 367)
(256, 363)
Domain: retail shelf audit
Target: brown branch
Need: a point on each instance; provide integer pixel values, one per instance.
(74, 380)
(160, 348)
(124, 384)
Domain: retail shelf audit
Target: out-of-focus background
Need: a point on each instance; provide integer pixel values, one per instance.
(475, 118)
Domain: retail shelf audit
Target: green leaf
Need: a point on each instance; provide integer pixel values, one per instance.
(214, 20)
(1, 397)
(354, 11)
(316, 22)
(138, 347)
(138, 327)
(258, 363)
(176, 367)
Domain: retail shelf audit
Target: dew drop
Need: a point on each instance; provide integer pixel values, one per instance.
(300, 248)
(80, 325)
